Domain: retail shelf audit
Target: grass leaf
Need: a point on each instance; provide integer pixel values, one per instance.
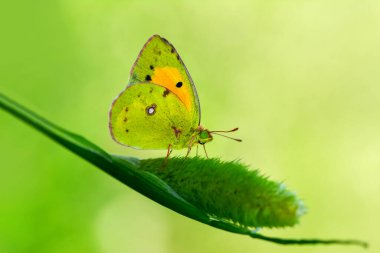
(225, 195)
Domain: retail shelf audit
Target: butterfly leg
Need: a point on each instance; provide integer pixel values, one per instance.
(167, 154)
(188, 151)
(189, 146)
(169, 151)
(205, 150)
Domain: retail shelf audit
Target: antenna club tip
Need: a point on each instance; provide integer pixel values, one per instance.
(219, 133)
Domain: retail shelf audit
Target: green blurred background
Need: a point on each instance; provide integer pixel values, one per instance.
(300, 78)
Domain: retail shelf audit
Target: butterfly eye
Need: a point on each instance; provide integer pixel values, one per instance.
(178, 85)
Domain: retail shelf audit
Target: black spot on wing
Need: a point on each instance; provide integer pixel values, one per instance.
(166, 93)
(127, 130)
(148, 78)
(125, 119)
(179, 85)
(151, 67)
(126, 109)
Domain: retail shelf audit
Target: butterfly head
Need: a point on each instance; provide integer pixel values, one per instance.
(204, 136)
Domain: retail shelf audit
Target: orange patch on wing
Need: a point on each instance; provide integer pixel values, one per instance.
(168, 77)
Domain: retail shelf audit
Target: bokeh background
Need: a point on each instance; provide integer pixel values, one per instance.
(300, 78)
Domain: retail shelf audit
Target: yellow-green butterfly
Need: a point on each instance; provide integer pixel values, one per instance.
(159, 109)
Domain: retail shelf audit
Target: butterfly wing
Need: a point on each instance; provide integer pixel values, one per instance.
(148, 116)
(159, 63)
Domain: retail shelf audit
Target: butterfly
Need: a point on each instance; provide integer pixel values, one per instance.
(159, 109)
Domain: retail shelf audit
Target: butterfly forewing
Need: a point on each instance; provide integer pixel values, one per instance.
(159, 63)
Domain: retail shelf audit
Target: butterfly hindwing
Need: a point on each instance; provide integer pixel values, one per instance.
(159, 63)
(148, 116)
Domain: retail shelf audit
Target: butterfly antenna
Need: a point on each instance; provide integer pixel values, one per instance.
(205, 150)
(229, 131)
(235, 139)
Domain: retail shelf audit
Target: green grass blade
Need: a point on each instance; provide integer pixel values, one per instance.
(148, 178)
